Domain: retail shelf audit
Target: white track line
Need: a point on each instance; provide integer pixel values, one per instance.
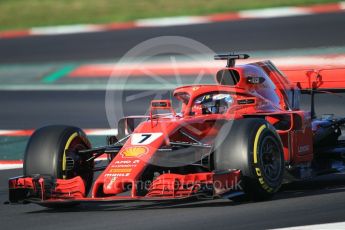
(10, 166)
(91, 132)
(171, 21)
(57, 30)
(329, 226)
(342, 5)
(274, 12)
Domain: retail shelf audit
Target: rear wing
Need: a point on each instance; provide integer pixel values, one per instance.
(330, 80)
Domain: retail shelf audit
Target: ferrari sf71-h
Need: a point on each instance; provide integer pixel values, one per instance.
(244, 136)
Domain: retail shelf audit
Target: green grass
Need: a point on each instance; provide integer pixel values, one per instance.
(19, 14)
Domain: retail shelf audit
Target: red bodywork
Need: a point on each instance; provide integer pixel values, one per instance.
(276, 99)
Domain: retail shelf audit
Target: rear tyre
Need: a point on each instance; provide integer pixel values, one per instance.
(252, 146)
(51, 152)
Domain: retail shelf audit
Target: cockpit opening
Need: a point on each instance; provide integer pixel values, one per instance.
(212, 103)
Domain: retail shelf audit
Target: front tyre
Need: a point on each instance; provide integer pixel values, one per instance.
(51, 152)
(253, 146)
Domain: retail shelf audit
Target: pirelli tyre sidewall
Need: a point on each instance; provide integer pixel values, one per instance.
(253, 146)
(46, 153)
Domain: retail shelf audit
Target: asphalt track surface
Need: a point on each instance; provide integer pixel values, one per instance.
(246, 35)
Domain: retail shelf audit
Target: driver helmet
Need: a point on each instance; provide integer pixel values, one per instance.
(216, 103)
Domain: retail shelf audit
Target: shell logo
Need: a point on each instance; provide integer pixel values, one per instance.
(135, 151)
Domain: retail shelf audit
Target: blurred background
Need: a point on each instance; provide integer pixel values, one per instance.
(22, 14)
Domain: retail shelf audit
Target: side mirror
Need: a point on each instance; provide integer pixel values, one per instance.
(161, 105)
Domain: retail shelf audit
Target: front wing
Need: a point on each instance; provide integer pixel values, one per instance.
(48, 191)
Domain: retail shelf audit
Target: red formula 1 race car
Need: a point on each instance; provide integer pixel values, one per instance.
(244, 136)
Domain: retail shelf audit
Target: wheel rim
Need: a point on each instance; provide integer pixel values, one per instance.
(78, 169)
(270, 157)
